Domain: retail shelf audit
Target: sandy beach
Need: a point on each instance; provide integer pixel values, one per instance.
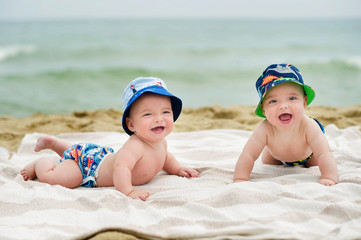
(63, 73)
(12, 130)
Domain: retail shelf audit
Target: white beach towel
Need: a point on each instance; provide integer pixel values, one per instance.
(278, 203)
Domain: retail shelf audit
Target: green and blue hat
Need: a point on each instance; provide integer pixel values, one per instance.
(276, 74)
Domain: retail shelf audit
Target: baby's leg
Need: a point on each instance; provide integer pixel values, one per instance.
(267, 158)
(53, 143)
(66, 174)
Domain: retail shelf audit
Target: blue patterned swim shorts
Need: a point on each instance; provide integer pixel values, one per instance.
(89, 157)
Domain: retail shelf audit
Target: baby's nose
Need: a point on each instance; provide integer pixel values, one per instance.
(283, 106)
(159, 118)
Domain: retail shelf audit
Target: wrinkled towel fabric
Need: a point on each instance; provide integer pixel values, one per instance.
(279, 202)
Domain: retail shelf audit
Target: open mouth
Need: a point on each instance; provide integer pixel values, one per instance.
(158, 130)
(285, 117)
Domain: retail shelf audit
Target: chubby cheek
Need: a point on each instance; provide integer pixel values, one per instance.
(137, 126)
(268, 111)
(300, 112)
(270, 114)
(170, 124)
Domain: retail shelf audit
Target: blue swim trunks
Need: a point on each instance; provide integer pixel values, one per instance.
(292, 164)
(304, 160)
(89, 158)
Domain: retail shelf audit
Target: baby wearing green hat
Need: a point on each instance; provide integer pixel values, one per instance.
(287, 136)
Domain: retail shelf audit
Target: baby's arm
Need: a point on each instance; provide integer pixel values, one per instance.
(250, 153)
(172, 166)
(321, 151)
(126, 159)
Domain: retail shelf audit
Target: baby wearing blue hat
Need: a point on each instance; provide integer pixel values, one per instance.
(287, 135)
(149, 116)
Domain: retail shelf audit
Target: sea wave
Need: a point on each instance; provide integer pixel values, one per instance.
(352, 63)
(15, 50)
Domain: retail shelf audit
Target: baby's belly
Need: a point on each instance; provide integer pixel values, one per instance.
(289, 152)
(105, 175)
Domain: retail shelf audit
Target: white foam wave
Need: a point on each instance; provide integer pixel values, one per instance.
(354, 61)
(11, 51)
(350, 61)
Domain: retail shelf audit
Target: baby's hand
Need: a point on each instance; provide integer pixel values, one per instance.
(187, 172)
(139, 193)
(327, 182)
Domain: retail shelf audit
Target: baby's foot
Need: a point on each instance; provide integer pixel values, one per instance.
(28, 172)
(44, 143)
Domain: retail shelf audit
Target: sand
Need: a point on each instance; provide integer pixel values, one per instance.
(12, 130)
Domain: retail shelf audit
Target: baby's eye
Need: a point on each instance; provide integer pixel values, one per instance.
(146, 114)
(272, 101)
(166, 112)
(293, 98)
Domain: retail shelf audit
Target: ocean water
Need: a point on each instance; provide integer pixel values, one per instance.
(66, 66)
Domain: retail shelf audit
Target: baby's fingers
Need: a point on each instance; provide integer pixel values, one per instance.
(189, 173)
(144, 196)
(139, 194)
(194, 173)
(327, 182)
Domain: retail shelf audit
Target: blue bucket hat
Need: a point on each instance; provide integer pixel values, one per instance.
(276, 74)
(141, 85)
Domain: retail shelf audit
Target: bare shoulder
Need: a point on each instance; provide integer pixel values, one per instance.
(133, 146)
(262, 130)
(135, 142)
(309, 124)
(311, 128)
(263, 127)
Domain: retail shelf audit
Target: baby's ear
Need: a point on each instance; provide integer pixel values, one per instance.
(262, 108)
(305, 101)
(129, 123)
